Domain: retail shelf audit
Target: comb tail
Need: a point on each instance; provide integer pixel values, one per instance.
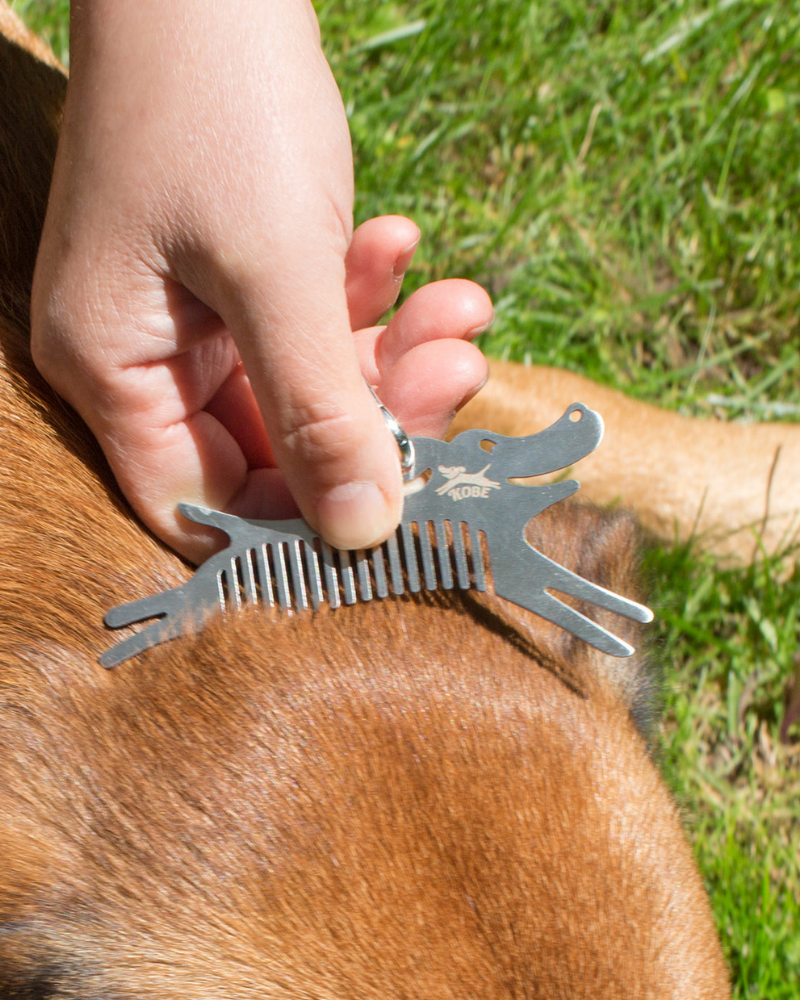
(169, 607)
(565, 582)
(162, 605)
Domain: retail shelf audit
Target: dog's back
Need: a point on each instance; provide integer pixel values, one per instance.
(431, 796)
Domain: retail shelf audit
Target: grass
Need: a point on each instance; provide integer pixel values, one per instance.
(624, 178)
(728, 643)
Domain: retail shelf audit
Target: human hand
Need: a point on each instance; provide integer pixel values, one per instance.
(200, 226)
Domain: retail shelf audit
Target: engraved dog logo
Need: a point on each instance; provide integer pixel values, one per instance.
(462, 484)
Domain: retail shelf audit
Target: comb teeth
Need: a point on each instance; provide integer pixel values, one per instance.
(298, 574)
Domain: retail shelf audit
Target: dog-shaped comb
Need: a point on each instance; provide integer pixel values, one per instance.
(459, 491)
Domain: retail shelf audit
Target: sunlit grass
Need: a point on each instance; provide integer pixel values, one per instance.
(728, 643)
(624, 178)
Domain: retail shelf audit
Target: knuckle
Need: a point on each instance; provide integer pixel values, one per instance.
(49, 348)
(322, 434)
(68, 354)
(59, 327)
(340, 226)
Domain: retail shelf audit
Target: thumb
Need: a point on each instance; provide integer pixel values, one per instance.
(328, 436)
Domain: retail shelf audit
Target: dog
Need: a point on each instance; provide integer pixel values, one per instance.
(433, 795)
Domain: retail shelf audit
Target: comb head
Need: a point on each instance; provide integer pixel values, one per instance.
(461, 495)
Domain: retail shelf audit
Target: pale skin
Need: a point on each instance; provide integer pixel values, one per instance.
(200, 297)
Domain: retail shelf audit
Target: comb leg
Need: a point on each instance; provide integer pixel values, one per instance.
(281, 576)
(233, 579)
(426, 555)
(459, 552)
(557, 578)
(443, 552)
(395, 564)
(379, 570)
(264, 575)
(298, 580)
(477, 558)
(410, 553)
(362, 570)
(313, 574)
(248, 568)
(553, 610)
(348, 577)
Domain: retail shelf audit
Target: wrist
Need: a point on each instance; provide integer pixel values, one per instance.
(138, 29)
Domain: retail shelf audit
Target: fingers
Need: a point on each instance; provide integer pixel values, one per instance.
(234, 406)
(429, 383)
(429, 371)
(376, 261)
(443, 309)
(421, 362)
(380, 252)
(179, 420)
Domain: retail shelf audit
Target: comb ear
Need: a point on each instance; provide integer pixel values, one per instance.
(211, 518)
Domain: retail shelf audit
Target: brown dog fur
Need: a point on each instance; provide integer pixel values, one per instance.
(423, 797)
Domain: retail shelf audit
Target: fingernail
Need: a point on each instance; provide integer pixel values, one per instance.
(355, 516)
(404, 258)
(480, 384)
(473, 392)
(480, 329)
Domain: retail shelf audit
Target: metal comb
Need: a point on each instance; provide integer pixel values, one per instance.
(459, 493)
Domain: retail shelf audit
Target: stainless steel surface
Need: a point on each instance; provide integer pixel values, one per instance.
(464, 492)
